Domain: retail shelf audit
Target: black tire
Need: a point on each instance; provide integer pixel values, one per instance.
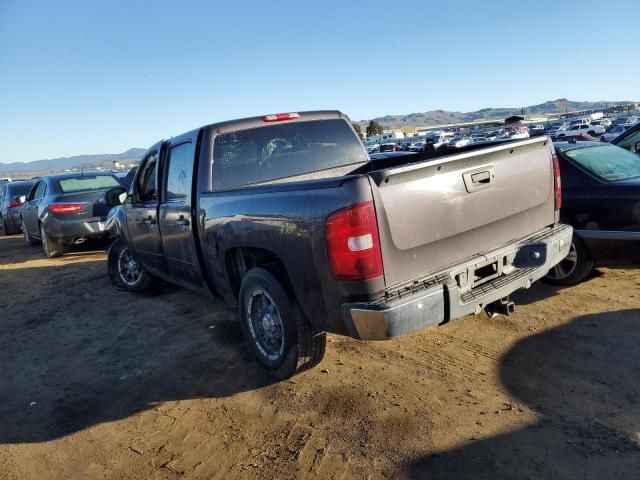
(52, 248)
(122, 276)
(574, 268)
(300, 346)
(28, 239)
(3, 228)
(592, 133)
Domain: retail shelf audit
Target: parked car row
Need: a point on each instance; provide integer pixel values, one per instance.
(59, 210)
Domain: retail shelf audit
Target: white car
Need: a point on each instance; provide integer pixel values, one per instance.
(459, 142)
(613, 133)
(577, 130)
(520, 134)
(416, 147)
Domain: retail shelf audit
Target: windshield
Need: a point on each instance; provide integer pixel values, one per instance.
(87, 183)
(607, 162)
(284, 150)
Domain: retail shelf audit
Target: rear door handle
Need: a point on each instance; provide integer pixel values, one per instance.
(183, 222)
(149, 220)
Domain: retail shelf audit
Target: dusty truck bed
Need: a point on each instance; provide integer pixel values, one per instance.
(96, 383)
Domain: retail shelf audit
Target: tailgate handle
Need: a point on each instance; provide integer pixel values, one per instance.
(484, 177)
(480, 179)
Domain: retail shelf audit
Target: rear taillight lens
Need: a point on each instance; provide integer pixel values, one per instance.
(65, 207)
(353, 244)
(556, 182)
(14, 204)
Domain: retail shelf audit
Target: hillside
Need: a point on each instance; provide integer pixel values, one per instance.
(440, 117)
(79, 161)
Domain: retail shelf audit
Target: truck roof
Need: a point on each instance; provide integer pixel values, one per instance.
(262, 121)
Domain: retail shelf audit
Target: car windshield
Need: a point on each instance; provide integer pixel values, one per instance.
(87, 183)
(19, 188)
(607, 162)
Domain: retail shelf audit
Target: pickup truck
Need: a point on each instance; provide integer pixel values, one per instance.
(287, 217)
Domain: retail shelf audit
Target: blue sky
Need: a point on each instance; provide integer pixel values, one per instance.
(101, 77)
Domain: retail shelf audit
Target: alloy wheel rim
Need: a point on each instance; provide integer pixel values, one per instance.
(567, 266)
(265, 324)
(129, 269)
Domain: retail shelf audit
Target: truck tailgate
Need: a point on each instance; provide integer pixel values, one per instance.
(438, 212)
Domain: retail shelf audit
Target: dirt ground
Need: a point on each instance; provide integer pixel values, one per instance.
(97, 383)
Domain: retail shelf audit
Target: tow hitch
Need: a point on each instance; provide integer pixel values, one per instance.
(504, 306)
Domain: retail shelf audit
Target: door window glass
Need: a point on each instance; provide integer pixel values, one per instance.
(147, 180)
(179, 173)
(40, 191)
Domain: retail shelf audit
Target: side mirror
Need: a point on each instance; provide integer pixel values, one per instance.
(637, 147)
(123, 197)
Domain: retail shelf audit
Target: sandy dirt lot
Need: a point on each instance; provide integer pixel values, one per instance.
(97, 383)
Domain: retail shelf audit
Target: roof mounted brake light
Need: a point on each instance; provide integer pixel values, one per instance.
(279, 117)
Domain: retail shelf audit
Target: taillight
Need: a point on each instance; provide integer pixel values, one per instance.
(278, 117)
(65, 207)
(353, 244)
(557, 183)
(14, 203)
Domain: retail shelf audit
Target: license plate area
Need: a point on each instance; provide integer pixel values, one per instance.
(485, 273)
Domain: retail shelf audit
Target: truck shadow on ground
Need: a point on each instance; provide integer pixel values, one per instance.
(583, 379)
(75, 352)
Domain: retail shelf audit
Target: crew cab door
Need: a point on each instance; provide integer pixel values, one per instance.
(142, 214)
(176, 215)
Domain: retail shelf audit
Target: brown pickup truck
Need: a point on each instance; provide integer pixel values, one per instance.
(287, 217)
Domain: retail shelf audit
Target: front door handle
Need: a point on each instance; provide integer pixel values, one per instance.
(149, 220)
(183, 222)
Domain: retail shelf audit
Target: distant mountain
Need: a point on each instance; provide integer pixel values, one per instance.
(442, 117)
(78, 161)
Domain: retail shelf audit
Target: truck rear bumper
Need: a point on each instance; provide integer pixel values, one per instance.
(459, 290)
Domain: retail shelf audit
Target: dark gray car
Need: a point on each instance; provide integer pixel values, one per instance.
(68, 208)
(11, 205)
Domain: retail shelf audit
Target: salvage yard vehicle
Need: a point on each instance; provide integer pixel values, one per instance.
(287, 217)
(628, 138)
(578, 129)
(11, 201)
(68, 208)
(601, 200)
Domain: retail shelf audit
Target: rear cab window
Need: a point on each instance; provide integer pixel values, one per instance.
(87, 183)
(277, 151)
(607, 162)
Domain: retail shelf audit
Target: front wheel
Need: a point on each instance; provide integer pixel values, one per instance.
(125, 272)
(28, 239)
(275, 329)
(3, 228)
(574, 267)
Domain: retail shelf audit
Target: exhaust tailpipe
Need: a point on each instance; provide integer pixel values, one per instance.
(504, 306)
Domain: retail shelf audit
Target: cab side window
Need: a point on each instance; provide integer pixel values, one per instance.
(147, 181)
(38, 191)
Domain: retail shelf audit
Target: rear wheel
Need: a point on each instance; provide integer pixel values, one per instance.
(52, 248)
(592, 133)
(125, 272)
(3, 227)
(574, 267)
(275, 329)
